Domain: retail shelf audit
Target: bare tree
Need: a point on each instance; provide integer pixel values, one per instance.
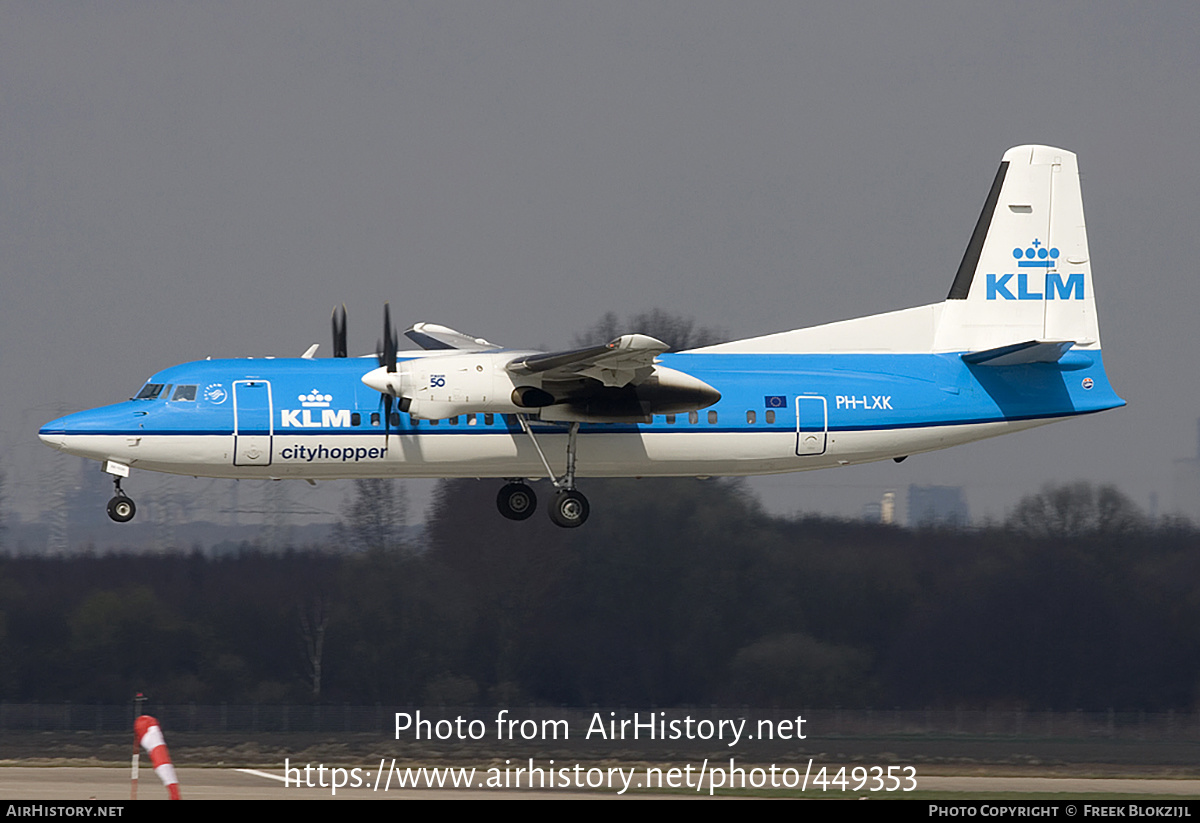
(680, 333)
(374, 519)
(314, 618)
(1074, 509)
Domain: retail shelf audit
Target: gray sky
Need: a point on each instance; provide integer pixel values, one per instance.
(180, 180)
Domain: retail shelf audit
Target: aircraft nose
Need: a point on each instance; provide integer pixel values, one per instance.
(90, 433)
(54, 433)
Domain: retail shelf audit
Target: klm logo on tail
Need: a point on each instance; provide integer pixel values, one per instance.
(1053, 285)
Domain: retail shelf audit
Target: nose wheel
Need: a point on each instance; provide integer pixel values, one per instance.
(121, 508)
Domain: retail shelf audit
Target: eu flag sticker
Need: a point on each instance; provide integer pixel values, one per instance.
(775, 401)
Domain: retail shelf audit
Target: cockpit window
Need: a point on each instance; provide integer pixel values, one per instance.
(184, 393)
(149, 391)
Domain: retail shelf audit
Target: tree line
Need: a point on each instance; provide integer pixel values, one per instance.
(677, 592)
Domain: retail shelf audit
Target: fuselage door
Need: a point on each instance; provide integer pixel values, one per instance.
(253, 423)
(812, 424)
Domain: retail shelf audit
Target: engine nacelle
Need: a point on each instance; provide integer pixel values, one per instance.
(665, 391)
(438, 386)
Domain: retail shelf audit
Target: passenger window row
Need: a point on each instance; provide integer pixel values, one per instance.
(694, 417)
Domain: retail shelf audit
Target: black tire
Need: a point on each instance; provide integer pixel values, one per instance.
(570, 509)
(516, 501)
(121, 509)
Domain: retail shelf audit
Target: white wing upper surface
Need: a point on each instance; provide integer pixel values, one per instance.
(629, 359)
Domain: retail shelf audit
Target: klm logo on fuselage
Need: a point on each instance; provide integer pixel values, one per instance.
(303, 418)
(1037, 284)
(313, 402)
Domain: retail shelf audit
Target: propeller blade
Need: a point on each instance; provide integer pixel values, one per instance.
(339, 332)
(385, 351)
(390, 341)
(387, 418)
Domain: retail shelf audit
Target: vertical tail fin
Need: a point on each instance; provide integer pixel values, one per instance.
(1026, 273)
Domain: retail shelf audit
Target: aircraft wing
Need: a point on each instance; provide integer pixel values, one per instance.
(431, 336)
(629, 359)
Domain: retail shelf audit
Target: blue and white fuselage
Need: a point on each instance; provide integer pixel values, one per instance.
(777, 413)
(1016, 344)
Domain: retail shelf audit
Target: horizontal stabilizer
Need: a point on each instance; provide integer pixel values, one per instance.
(1017, 354)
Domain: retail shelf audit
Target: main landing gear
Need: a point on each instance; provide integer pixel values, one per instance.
(516, 501)
(569, 508)
(121, 508)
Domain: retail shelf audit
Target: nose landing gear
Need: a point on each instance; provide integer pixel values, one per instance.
(121, 508)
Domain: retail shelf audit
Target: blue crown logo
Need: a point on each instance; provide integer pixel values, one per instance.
(1036, 256)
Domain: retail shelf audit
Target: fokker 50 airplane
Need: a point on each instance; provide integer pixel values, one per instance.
(1014, 345)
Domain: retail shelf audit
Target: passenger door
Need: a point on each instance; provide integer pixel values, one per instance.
(812, 424)
(253, 423)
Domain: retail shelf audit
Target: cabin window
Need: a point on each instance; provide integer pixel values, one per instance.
(770, 415)
(355, 419)
(750, 417)
(454, 420)
(395, 419)
(511, 419)
(693, 417)
(434, 422)
(670, 420)
(488, 419)
(149, 391)
(185, 393)
(471, 419)
(375, 418)
(712, 417)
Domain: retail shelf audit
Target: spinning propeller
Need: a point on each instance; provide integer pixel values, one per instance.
(386, 353)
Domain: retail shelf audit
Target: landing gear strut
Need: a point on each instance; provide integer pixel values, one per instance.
(120, 507)
(569, 509)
